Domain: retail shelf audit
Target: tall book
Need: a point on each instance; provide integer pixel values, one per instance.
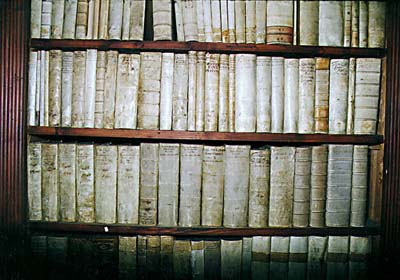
(260, 256)
(240, 21)
(45, 28)
(136, 31)
(31, 107)
(351, 96)
(278, 267)
(298, 257)
(212, 259)
(78, 89)
(291, 89)
(126, 19)
(70, 12)
(280, 22)
(261, 21)
(308, 23)
(34, 166)
(231, 21)
(277, 94)
(110, 82)
(162, 20)
(359, 252)
(355, 20)
(192, 90)
(236, 185)
(190, 20)
(127, 250)
(57, 19)
(180, 35)
(216, 21)
(153, 256)
(232, 92)
(197, 259)
(247, 255)
(141, 257)
(306, 95)
(317, 249)
(55, 85)
(223, 99)
(36, 18)
(231, 259)
(211, 92)
(359, 188)
(337, 257)
(200, 21)
(115, 19)
(100, 83)
(50, 205)
(166, 256)
(82, 18)
(264, 87)
(181, 259)
(180, 93)
(103, 19)
(363, 24)
(166, 90)
(376, 24)
(281, 186)
(250, 22)
(224, 21)
(66, 182)
(90, 88)
(347, 21)
(200, 90)
(331, 23)
(321, 110)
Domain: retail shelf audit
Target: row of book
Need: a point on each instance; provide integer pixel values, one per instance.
(324, 23)
(202, 91)
(166, 257)
(187, 185)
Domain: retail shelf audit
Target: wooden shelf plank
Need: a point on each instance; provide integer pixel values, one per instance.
(118, 229)
(173, 46)
(191, 136)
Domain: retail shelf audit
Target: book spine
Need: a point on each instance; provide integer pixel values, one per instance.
(317, 247)
(211, 92)
(166, 90)
(224, 21)
(197, 259)
(127, 250)
(321, 110)
(264, 87)
(66, 182)
(180, 93)
(36, 18)
(78, 89)
(231, 259)
(291, 93)
(45, 28)
(277, 94)
(44, 88)
(110, 89)
(261, 21)
(137, 16)
(280, 22)
(200, 91)
(126, 19)
(250, 22)
(200, 21)
(279, 257)
(359, 253)
(153, 256)
(31, 108)
(66, 88)
(90, 88)
(231, 21)
(34, 166)
(376, 24)
(223, 100)
(92, 22)
(115, 19)
(216, 21)
(190, 20)
(50, 182)
(298, 257)
(55, 85)
(162, 19)
(212, 259)
(347, 24)
(240, 21)
(308, 23)
(38, 93)
(166, 256)
(103, 19)
(337, 257)
(180, 34)
(100, 86)
(192, 90)
(363, 24)
(260, 256)
(306, 95)
(247, 255)
(57, 19)
(355, 19)
(351, 96)
(70, 12)
(82, 19)
(331, 23)
(181, 259)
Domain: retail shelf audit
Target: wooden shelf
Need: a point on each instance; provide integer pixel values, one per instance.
(118, 229)
(191, 136)
(179, 47)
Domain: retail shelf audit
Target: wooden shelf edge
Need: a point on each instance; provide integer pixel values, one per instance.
(118, 229)
(192, 136)
(173, 46)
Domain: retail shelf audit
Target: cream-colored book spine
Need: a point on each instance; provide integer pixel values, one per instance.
(148, 189)
(57, 19)
(224, 21)
(347, 22)
(245, 96)
(192, 88)
(232, 92)
(50, 204)
(115, 19)
(338, 87)
(363, 24)
(355, 20)
(85, 211)
(236, 185)
(302, 186)
(280, 22)
(331, 23)
(166, 256)
(190, 185)
(212, 185)
(223, 99)
(162, 20)
(260, 256)
(126, 19)
(316, 258)
(211, 92)
(110, 82)
(306, 95)
(200, 91)
(298, 250)
(93, 15)
(250, 21)
(212, 259)
(45, 28)
(181, 259)
(246, 255)
(70, 12)
(367, 88)
(231, 259)
(141, 256)
(100, 86)
(136, 25)
(231, 21)
(128, 171)
(351, 96)
(296, 22)
(338, 198)
(127, 91)
(38, 93)
(166, 90)
(291, 93)
(277, 94)
(200, 21)
(321, 110)
(66, 182)
(197, 259)
(55, 85)
(180, 92)
(376, 24)
(240, 21)
(279, 264)
(105, 183)
(190, 20)
(281, 186)
(259, 187)
(34, 165)
(103, 19)
(308, 23)
(90, 88)
(337, 257)
(359, 188)
(127, 258)
(168, 184)
(153, 255)
(180, 34)
(264, 84)
(319, 169)
(44, 88)
(215, 21)
(261, 21)
(36, 18)
(82, 19)
(66, 88)
(78, 89)
(359, 253)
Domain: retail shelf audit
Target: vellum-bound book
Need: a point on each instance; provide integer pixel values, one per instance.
(211, 92)
(78, 89)
(127, 90)
(223, 100)
(340, 161)
(141, 256)
(338, 87)
(103, 19)
(70, 11)
(363, 24)
(57, 19)
(280, 22)
(351, 96)
(250, 21)
(34, 165)
(162, 20)
(347, 21)
(149, 90)
(245, 96)
(149, 153)
(36, 18)
(259, 187)
(359, 188)
(31, 108)
(277, 94)
(260, 256)
(261, 21)
(337, 257)
(110, 89)
(44, 89)
(212, 259)
(115, 19)
(278, 267)
(93, 19)
(136, 25)
(128, 184)
(360, 250)
(215, 21)
(153, 256)
(180, 92)
(66, 88)
(224, 21)
(180, 35)
(231, 92)
(197, 259)
(181, 259)
(264, 88)
(166, 256)
(298, 257)
(367, 88)
(317, 249)
(200, 21)
(212, 186)
(127, 249)
(105, 183)
(192, 88)
(240, 21)
(308, 23)
(331, 23)
(90, 88)
(190, 20)
(50, 182)
(281, 186)
(231, 259)
(66, 182)
(291, 87)
(126, 17)
(231, 21)
(190, 184)
(376, 24)
(321, 110)
(247, 255)
(236, 185)
(82, 19)
(55, 86)
(166, 90)
(168, 184)
(85, 212)
(306, 95)
(200, 89)
(45, 28)
(355, 21)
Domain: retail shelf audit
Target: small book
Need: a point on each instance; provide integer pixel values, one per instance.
(279, 262)
(376, 24)
(231, 259)
(260, 256)
(162, 20)
(298, 251)
(127, 257)
(280, 22)
(331, 23)
(115, 19)
(181, 259)
(197, 259)
(308, 23)
(337, 257)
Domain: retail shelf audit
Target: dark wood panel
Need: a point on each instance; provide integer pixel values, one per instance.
(204, 136)
(196, 231)
(173, 46)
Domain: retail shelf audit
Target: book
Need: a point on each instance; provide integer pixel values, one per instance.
(57, 247)
(250, 22)
(166, 256)
(264, 87)
(347, 21)
(359, 252)
(179, 20)
(355, 21)
(351, 96)
(308, 23)
(231, 21)
(192, 88)
(376, 24)
(247, 255)
(50, 205)
(306, 95)
(45, 28)
(261, 21)
(70, 13)
(231, 259)
(100, 86)
(115, 19)
(126, 19)
(212, 259)
(280, 22)
(200, 21)
(337, 257)
(127, 250)
(93, 19)
(181, 259)
(298, 250)
(231, 92)
(317, 249)
(103, 19)
(211, 92)
(180, 93)
(190, 20)
(44, 88)
(82, 18)
(34, 168)
(200, 90)
(216, 21)
(240, 21)
(153, 256)
(36, 18)
(260, 256)
(331, 23)
(90, 88)
(363, 24)
(224, 21)
(78, 89)
(278, 267)
(291, 92)
(197, 259)
(162, 20)
(57, 19)
(166, 90)
(38, 95)
(277, 94)
(66, 182)
(55, 85)
(223, 99)
(110, 81)
(141, 257)
(137, 17)
(321, 110)
(31, 107)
